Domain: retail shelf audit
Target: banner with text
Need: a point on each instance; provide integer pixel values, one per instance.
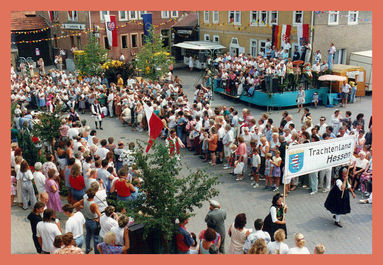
(306, 158)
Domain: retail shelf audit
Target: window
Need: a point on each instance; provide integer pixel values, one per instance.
(133, 15)
(253, 18)
(123, 15)
(140, 13)
(106, 43)
(174, 13)
(142, 38)
(263, 18)
(165, 37)
(234, 41)
(102, 15)
(333, 17)
(297, 17)
(340, 56)
(124, 41)
(353, 17)
(72, 16)
(206, 16)
(215, 16)
(253, 47)
(134, 40)
(216, 38)
(262, 46)
(164, 14)
(79, 42)
(72, 41)
(206, 37)
(273, 17)
(235, 17)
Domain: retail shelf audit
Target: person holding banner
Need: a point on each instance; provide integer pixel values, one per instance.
(338, 200)
(276, 218)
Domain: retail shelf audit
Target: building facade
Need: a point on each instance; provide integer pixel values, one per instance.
(350, 31)
(130, 37)
(247, 31)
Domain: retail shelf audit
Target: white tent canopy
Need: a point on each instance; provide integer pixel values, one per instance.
(199, 45)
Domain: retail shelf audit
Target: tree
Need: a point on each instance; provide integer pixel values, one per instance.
(168, 195)
(30, 151)
(48, 128)
(89, 61)
(153, 59)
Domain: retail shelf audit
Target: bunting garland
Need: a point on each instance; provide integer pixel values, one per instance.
(79, 32)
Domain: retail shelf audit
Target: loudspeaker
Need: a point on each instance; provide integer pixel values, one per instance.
(138, 245)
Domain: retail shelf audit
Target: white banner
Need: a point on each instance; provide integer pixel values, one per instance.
(283, 35)
(299, 36)
(306, 158)
(108, 32)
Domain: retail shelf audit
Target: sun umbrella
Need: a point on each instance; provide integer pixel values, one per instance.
(298, 62)
(332, 78)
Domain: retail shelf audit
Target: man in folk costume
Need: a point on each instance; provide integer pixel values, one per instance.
(97, 113)
(174, 143)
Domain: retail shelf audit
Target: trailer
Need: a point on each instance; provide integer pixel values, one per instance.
(364, 59)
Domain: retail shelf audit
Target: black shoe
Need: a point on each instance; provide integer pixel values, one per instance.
(333, 216)
(338, 224)
(101, 128)
(96, 128)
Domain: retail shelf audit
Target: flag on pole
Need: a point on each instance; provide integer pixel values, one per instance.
(285, 35)
(111, 31)
(147, 21)
(155, 126)
(275, 35)
(51, 15)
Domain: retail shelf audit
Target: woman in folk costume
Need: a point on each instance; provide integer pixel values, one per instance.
(97, 113)
(338, 199)
(174, 143)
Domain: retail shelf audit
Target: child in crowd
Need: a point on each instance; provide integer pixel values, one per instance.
(268, 172)
(276, 169)
(256, 164)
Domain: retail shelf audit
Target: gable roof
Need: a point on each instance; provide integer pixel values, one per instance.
(26, 20)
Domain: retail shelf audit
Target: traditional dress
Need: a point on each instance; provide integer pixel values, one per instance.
(269, 226)
(335, 203)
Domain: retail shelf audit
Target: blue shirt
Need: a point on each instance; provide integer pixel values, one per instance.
(108, 249)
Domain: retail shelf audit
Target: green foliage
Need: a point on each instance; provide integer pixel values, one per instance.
(168, 195)
(13, 107)
(48, 128)
(153, 59)
(89, 63)
(30, 151)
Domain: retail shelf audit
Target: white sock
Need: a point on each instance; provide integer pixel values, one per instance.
(337, 218)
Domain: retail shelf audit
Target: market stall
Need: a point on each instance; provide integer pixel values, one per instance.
(352, 73)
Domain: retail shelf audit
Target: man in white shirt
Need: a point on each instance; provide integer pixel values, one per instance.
(227, 141)
(102, 151)
(322, 126)
(74, 224)
(258, 224)
(108, 220)
(47, 230)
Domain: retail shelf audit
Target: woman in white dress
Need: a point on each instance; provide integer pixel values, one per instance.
(238, 234)
(191, 63)
(300, 98)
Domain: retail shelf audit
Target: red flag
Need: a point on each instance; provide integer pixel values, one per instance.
(111, 30)
(51, 15)
(155, 126)
(305, 34)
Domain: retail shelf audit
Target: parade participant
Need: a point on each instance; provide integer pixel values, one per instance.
(300, 98)
(97, 114)
(276, 218)
(338, 199)
(174, 143)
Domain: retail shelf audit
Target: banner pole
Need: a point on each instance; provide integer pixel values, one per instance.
(345, 181)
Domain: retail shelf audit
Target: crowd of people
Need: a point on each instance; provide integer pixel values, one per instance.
(92, 168)
(272, 70)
